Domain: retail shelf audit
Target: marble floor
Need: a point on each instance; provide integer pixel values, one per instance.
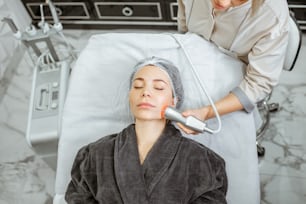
(26, 178)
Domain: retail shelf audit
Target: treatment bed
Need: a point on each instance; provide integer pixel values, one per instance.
(96, 102)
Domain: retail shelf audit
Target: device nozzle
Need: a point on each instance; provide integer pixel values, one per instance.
(191, 122)
(163, 110)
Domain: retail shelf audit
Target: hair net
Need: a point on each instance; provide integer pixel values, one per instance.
(170, 69)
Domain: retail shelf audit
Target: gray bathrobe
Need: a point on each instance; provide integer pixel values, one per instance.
(177, 170)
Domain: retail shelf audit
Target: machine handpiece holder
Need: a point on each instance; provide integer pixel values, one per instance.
(57, 24)
(189, 121)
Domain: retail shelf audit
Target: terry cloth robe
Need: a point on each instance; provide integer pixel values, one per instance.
(177, 170)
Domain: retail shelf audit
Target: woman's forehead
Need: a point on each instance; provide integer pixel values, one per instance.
(152, 72)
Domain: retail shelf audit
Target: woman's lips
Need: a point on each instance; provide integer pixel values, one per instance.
(145, 105)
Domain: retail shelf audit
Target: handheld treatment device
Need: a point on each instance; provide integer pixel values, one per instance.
(189, 121)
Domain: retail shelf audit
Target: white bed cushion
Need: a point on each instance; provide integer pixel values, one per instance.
(97, 104)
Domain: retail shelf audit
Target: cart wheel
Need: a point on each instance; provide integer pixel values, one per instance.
(260, 151)
(273, 107)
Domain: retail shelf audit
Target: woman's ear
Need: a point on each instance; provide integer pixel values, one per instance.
(174, 102)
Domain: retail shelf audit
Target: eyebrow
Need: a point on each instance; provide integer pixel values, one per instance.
(155, 80)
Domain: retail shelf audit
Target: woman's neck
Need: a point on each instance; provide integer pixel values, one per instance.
(147, 133)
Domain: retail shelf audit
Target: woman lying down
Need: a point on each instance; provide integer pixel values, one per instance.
(148, 161)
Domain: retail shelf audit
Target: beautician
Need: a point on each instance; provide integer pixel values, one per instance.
(255, 31)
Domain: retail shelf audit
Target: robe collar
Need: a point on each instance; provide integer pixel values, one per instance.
(136, 182)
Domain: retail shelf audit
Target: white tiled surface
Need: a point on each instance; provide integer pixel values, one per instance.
(25, 178)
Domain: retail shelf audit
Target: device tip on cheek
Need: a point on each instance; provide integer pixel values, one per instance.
(162, 113)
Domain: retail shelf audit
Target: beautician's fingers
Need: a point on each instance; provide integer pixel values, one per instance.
(187, 130)
(198, 113)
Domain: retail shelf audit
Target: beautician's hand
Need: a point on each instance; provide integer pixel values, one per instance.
(230, 103)
(201, 113)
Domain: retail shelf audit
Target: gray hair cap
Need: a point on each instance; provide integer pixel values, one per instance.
(171, 69)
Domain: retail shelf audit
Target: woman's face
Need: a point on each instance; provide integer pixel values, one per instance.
(222, 5)
(151, 90)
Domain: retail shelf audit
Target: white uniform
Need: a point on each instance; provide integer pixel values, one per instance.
(260, 40)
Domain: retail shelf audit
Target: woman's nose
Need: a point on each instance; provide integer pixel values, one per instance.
(146, 92)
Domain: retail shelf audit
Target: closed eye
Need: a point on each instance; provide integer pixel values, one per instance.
(159, 88)
(138, 84)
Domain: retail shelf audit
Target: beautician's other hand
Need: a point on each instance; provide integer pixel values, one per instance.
(201, 113)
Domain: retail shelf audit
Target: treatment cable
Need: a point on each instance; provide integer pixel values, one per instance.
(202, 86)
